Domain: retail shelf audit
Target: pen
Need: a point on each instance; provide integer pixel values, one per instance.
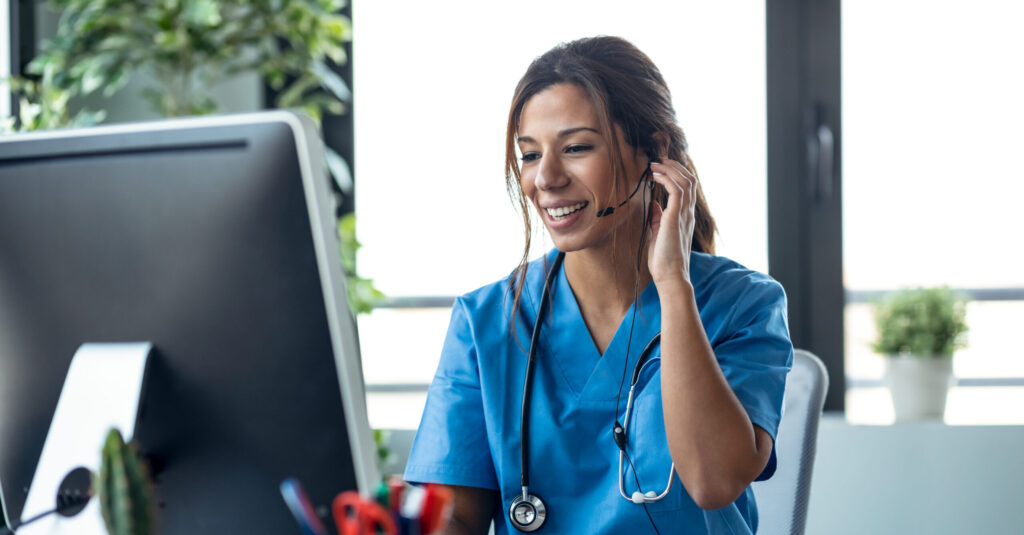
(301, 508)
(436, 508)
(395, 488)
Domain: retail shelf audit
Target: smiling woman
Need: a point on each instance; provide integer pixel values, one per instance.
(520, 419)
(428, 155)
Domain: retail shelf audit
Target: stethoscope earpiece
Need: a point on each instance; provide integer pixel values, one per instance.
(639, 498)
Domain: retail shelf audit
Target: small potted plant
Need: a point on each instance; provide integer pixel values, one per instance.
(918, 331)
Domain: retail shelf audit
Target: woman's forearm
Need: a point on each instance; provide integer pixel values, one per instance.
(715, 447)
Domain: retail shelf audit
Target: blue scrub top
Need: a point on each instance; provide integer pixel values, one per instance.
(469, 434)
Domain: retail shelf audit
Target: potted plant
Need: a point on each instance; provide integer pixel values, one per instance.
(918, 331)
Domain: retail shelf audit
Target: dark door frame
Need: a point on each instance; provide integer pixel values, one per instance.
(805, 238)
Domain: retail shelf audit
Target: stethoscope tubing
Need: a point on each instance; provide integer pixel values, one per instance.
(637, 370)
(524, 422)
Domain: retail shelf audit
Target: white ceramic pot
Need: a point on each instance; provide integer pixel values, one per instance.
(918, 385)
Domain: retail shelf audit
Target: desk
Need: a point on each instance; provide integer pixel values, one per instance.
(917, 478)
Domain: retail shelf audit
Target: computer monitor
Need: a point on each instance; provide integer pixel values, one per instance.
(214, 240)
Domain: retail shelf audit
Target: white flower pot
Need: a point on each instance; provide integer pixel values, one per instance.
(918, 385)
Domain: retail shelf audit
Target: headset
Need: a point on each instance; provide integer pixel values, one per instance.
(609, 210)
(527, 511)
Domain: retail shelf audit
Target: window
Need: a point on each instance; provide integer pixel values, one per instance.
(932, 185)
(432, 96)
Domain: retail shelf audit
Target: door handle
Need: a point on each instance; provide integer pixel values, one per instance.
(820, 159)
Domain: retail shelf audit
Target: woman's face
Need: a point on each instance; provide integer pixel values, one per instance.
(567, 171)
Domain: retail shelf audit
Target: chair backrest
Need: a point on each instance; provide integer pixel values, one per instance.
(782, 500)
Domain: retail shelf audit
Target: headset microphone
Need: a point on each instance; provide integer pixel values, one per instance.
(611, 209)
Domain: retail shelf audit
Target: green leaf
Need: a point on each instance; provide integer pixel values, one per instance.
(291, 95)
(117, 42)
(38, 64)
(204, 106)
(167, 39)
(88, 118)
(201, 13)
(116, 82)
(92, 79)
(330, 80)
(338, 168)
(8, 125)
(338, 27)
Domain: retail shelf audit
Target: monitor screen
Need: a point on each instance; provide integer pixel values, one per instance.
(214, 240)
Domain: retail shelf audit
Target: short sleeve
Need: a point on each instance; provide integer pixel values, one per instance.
(756, 354)
(451, 445)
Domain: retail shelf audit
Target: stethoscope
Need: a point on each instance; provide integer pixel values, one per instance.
(527, 511)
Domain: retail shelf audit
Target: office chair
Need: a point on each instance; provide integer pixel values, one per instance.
(782, 500)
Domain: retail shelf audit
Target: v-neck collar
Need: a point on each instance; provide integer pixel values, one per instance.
(586, 372)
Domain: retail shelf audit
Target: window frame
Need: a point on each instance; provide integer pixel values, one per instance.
(805, 235)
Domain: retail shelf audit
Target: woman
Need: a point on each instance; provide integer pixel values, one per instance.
(532, 418)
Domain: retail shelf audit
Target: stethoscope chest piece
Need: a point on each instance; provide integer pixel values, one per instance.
(527, 514)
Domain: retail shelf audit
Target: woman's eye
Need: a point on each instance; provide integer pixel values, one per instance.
(578, 148)
(529, 157)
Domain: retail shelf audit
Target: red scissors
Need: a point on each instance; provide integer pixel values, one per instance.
(356, 516)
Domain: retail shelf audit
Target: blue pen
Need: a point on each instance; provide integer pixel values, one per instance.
(301, 508)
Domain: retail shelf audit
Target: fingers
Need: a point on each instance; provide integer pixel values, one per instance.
(670, 244)
(678, 182)
(672, 186)
(677, 171)
(654, 230)
(656, 213)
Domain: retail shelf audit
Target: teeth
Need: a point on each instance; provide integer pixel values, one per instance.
(560, 213)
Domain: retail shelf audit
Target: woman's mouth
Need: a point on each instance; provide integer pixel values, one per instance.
(564, 212)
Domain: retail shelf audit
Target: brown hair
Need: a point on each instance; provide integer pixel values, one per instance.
(627, 90)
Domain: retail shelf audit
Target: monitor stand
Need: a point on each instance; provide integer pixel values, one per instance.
(103, 389)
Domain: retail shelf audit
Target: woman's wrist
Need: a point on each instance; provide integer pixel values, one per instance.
(673, 287)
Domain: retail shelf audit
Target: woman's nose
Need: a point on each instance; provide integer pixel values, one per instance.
(550, 174)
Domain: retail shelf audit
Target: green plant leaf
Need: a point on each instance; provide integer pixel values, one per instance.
(167, 39)
(201, 13)
(338, 168)
(291, 96)
(117, 80)
(92, 79)
(330, 80)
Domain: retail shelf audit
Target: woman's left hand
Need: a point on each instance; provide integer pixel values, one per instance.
(668, 254)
